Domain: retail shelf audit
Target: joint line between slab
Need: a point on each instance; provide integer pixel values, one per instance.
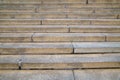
(73, 75)
(73, 47)
(32, 36)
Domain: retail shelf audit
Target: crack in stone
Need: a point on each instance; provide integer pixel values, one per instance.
(86, 1)
(73, 75)
(32, 37)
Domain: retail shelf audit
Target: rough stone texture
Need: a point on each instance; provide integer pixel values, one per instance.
(106, 22)
(65, 1)
(113, 37)
(19, 1)
(107, 11)
(65, 22)
(8, 66)
(88, 65)
(60, 58)
(20, 22)
(40, 28)
(69, 37)
(93, 5)
(36, 75)
(105, 74)
(36, 48)
(92, 16)
(15, 37)
(104, 1)
(95, 29)
(95, 47)
(17, 10)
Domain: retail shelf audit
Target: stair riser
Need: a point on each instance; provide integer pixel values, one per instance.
(43, 29)
(60, 29)
(61, 48)
(27, 66)
(58, 37)
(94, 30)
(57, 16)
(104, 1)
(42, 1)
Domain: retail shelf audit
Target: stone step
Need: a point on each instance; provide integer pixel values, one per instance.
(36, 74)
(94, 5)
(86, 61)
(103, 1)
(109, 74)
(59, 29)
(115, 22)
(81, 22)
(107, 11)
(20, 22)
(72, 37)
(56, 16)
(95, 29)
(59, 5)
(43, 1)
(36, 48)
(103, 47)
(17, 10)
(36, 16)
(37, 28)
(59, 37)
(20, 1)
(91, 16)
(71, 10)
(59, 48)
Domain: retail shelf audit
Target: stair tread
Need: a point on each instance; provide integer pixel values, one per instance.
(36, 74)
(52, 26)
(96, 44)
(58, 48)
(58, 37)
(60, 28)
(60, 58)
(95, 74)
(104, 47)
(56, 34)
(35, 45)
(60, 74)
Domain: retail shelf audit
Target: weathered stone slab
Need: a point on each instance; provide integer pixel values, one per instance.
(19, 22)
(108, 11)
(15, 37)
(93, 5)
(8, 66)
(10, 59)
(36, 48)
(65, 1)
(95, 47)
(104, 74)
(95, 29)
(110, 22)
(36, 75)
(113, 37)
(65, 22)
(35, 28)
(92, 16)
(86, 65)
(19, 1)
(67, 37)
(17, 10)
(86, 58)
(71, 58)
(95, 61)
(104, 1)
